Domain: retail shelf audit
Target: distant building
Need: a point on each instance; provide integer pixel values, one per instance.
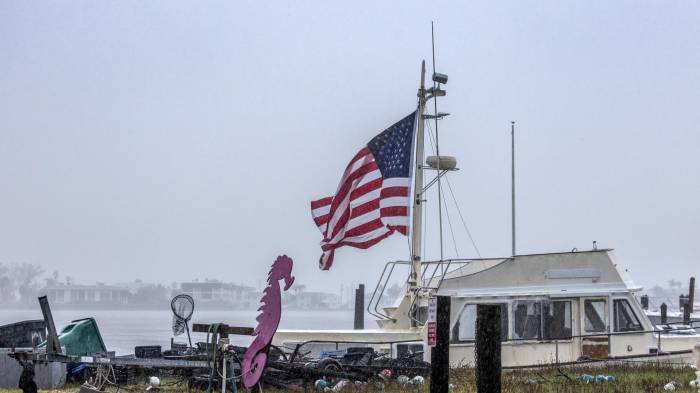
(316, 301)
(219, 293)
(87, 295)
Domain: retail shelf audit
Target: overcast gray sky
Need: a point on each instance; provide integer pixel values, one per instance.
(166, 140)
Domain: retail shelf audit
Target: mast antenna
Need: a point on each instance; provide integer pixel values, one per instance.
(437, 143)
(512, 184)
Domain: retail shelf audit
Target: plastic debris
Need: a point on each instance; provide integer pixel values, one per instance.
(530, 381)
(153, 383)
(451, 386)
(402, 379)
(385, 374)
(415, 381)
(359, 385)
(600, 378)
(320, 384)
(586, 378)
(694, 383)
(671, 386)
(340, 385)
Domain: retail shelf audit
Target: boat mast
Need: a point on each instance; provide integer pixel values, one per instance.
(417, 223)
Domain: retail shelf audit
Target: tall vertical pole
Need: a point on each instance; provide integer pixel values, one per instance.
(360, 307)
(53, 346)
(691, 294)
(437, 146)
(512, 184)
(440, 354)
(417, 223)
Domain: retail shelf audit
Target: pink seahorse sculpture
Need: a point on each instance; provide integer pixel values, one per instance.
(255, 356)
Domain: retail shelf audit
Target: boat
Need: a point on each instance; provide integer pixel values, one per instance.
(556, 308)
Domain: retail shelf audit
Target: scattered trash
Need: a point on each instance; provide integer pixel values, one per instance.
(694, 383)
(600, 378)
(530, 381)
(385, 374)
(415, 381)
(359, 385)
(320, 384)
(671, 386)
(402, 379)
(451, 386)
(340, 385)
(153, 383)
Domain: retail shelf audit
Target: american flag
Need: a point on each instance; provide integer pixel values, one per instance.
(373, 198)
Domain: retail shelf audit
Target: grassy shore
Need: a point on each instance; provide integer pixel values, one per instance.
(627, 379)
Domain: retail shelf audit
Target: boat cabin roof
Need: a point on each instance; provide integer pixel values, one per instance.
(563, 274)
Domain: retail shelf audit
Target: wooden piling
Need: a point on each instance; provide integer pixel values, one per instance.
(691, 294)
(645, 302)
(53, 346)
(360, 307)
(440, 354)
(488, 349)
(664, 315)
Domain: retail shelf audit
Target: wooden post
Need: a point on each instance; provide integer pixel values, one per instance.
(691, 294)
(645, 302)
(686, 315)
(53, 346)
(664, 310)
(440, 353)
(488, 348)
(360, 307)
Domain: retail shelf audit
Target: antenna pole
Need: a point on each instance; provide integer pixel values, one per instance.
(437, 146)
(417, 223)
(512, 183)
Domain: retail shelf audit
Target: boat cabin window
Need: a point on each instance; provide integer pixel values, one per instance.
(542, 320)
(557, 320)
(594, 315)
(625, 318)
(464, 330)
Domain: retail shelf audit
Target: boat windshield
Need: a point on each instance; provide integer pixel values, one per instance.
(625, 318)
(595, 320)
(542, 320)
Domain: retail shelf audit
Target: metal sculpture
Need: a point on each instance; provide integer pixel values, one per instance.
(255, 356)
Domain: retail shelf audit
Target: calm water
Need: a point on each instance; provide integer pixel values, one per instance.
(122, 330)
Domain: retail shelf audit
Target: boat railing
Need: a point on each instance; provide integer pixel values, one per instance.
(376, 300)
(425, 286)
(429, 286)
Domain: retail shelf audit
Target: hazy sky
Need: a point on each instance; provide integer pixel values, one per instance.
(166, 140)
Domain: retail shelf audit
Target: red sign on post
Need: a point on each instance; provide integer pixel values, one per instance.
(432, 321)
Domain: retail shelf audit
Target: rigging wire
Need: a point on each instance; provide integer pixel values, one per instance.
(459, 211)
(449, 224)
(449, 186)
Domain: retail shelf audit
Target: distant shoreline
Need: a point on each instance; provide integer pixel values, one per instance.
(154, 308)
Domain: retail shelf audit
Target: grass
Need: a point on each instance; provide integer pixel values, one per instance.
(628, 379)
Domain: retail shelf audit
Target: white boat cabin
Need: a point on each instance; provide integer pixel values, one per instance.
(555, 308)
